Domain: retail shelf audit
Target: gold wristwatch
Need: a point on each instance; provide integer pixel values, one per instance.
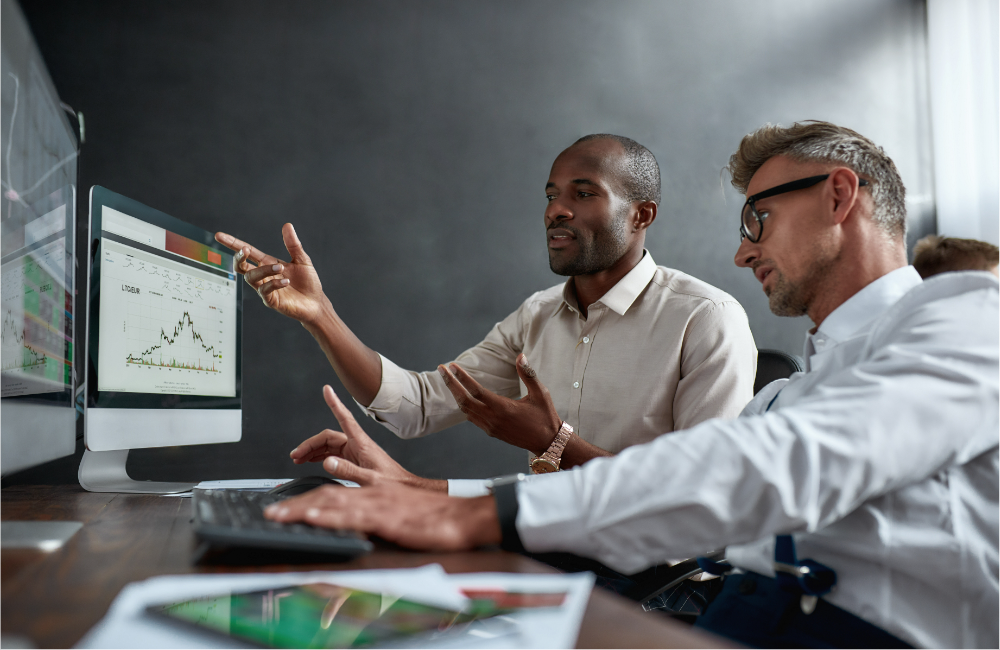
(549, 461)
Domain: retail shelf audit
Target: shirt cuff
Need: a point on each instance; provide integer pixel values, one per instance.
(458, 487)
(550, 513)
(390, 391)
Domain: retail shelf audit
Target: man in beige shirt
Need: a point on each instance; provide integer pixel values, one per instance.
(629, 350)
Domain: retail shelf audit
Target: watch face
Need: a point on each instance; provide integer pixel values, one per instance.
(543, 466)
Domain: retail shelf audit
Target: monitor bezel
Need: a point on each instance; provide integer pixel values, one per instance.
(100, 197)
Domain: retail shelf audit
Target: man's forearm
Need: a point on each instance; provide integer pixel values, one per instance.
(358, 366)
(432, 484)
(578, 451)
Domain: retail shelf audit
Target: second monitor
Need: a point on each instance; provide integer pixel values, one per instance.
(164, 323)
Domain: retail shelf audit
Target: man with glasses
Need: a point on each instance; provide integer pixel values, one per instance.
(857, 501)
(621, 330)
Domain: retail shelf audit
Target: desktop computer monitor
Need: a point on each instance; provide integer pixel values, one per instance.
(38, 172)
(38, 294)
(164, 324)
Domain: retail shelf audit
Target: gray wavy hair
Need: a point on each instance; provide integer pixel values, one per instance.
(814, 141)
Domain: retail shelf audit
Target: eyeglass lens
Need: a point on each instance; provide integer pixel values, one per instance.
(751, 226)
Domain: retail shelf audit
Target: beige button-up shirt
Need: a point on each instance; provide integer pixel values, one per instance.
(661, 351)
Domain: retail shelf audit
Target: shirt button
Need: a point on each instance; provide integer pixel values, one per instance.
(576, 384)
(586, 339)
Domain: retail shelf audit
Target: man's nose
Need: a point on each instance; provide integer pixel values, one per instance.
(556, 211)
(746, 254)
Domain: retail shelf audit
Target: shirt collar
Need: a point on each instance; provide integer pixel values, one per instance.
(621, 296)
(861, 309)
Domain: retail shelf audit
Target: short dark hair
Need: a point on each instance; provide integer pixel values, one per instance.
(936, 254)
(642, 180)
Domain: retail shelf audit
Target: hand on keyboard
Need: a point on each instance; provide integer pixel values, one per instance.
(415, 518)
(236, 518)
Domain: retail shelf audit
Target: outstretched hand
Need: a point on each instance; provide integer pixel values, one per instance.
(352, 455)
(530, 422)
(290, 288)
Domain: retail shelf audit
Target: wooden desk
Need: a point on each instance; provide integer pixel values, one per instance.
(54, 598)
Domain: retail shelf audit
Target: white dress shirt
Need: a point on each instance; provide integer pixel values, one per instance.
(659, 351)
(881, 459)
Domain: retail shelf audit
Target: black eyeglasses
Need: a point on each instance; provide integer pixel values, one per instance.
(752, 222)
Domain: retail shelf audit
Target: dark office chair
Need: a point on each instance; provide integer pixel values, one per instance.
(654, 586)
(774, 364)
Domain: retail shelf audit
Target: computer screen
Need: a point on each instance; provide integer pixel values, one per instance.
(38, 171)
(36, 272)
(164, 330)
(37, 290)
(168, 319)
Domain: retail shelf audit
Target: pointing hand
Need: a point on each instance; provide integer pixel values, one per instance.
(290, 288)
(352, 455)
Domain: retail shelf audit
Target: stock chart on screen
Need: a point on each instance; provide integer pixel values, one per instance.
(37, 307)
(168, 315)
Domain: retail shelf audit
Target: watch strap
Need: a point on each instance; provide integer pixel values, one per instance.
(505, 496)
(555, 451)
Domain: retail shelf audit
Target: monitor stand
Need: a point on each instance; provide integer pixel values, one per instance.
(104, 471)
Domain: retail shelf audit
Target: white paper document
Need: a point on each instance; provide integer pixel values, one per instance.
(127, 625)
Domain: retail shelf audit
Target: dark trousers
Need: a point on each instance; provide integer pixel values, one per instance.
(684, 602)
(753, 610)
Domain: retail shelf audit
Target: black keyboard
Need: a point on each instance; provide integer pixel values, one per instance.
(236, 518)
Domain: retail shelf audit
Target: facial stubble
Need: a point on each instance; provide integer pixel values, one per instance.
(793, 297)
(602, 252)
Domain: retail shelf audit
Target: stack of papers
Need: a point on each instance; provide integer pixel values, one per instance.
(538, 618)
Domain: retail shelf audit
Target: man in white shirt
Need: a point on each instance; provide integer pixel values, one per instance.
(621, 330)
(878, 464)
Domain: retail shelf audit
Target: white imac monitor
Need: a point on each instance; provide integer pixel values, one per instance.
(164, 324)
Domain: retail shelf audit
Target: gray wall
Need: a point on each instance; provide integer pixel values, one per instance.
(410, 142)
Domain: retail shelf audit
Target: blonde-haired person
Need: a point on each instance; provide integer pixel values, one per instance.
(936, 254)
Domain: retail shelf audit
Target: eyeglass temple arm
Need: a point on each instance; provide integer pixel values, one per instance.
(795, 185)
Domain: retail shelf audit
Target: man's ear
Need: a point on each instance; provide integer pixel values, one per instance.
(644, 216)
(843, 184)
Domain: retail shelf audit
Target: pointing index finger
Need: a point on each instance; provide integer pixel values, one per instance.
(342, 413)
(256, 256)
(225, 239)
